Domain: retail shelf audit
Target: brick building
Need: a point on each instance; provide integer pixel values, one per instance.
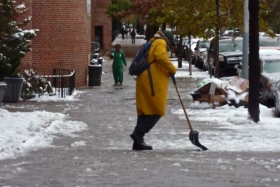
(67, 27)
(101, 25)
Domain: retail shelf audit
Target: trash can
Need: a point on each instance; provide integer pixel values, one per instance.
(94, 62)
(95, 55)
(94, 75)
(13, 91)
(100, 61)
(3, 87)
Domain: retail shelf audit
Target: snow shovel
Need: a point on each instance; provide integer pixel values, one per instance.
(193, 136)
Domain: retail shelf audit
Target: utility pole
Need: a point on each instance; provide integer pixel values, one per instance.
(217, 38)
(245, 40)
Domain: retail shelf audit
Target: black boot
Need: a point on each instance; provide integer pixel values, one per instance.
(137, 136)
(136, 147)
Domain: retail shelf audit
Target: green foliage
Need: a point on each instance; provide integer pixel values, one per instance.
(15, 42)
(34, 84)
(190, 17)
(271, 14)
(116, 8)
(195, 17)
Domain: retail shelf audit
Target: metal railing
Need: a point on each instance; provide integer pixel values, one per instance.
(62, 81)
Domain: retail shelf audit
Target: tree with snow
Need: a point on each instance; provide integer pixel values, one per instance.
(15, 42)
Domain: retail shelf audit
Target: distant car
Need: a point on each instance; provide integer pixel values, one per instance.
(176, 47)
(228, 33)
(270, 75)
(186, 48)
(200, 50)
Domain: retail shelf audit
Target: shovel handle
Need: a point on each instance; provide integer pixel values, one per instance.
(184, 109)
(173, 78)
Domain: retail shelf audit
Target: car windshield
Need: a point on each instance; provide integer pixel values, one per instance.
(186, 42)
(271, 66)
(204, 44)
(269, 42)
(229, 45)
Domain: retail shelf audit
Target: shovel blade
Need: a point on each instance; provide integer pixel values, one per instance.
(193, 136)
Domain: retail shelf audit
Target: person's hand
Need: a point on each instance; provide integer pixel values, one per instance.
(173, 78)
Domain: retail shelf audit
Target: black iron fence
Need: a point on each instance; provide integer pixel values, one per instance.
(62, 81)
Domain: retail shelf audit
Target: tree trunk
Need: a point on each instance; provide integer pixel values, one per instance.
(163, 27)
(254, 62)
(189, 55)
(139, 27)
(180, 52)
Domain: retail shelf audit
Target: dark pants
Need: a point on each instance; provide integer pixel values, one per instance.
(133, 40)
(146, 122)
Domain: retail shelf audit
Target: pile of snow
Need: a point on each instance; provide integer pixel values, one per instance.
(25, 131)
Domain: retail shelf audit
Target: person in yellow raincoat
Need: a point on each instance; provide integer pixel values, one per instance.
(151, 107)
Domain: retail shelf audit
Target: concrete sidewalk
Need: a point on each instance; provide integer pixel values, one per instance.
(127, 46)
(107, 159)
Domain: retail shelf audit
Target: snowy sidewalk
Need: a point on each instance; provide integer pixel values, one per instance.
(85, 141)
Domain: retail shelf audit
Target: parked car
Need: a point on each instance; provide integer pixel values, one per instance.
(176, 47)
(270, 75)
(186, 48)
(269, 43)
(276, 97)
(200, 52)
(230, 55)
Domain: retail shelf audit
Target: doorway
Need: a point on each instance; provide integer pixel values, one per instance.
(99, 35)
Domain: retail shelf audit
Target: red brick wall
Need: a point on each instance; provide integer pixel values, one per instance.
(63, 41)
(99, 18)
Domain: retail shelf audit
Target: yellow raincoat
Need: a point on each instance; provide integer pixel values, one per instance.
(161, 68)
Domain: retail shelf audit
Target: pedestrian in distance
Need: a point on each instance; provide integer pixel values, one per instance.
(119, 60)
(123, 31)
(151, 107)
(133, 35)
(126, 33)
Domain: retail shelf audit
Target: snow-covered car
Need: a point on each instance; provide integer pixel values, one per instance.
(200, 54)
(269, 43)
(270, 75)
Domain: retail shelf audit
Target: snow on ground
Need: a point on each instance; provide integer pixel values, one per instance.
(25, 131)
(229, 126)
(234, 131)
(55, 98)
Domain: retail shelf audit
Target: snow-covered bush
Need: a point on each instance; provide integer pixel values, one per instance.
(34, 84)
(15, 42)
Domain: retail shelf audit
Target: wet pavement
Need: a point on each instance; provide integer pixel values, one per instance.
(107, 159)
